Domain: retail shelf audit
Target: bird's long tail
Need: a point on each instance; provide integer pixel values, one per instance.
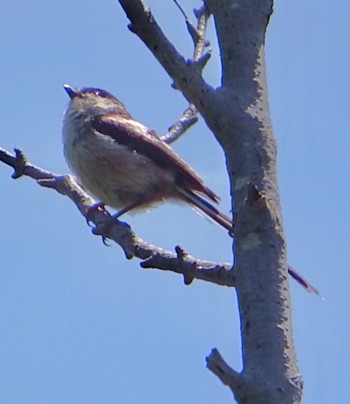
(302, 281)
(207, 208)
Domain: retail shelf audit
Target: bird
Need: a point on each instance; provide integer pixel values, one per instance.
(123, 163)
(127, 166)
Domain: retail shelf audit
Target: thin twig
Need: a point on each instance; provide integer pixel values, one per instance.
(201, 55)
(187, 119)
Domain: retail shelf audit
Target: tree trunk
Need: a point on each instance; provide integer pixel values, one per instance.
(241, 121)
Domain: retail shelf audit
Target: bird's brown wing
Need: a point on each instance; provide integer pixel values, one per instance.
(144, 141)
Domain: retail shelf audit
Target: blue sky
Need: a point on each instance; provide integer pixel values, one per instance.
(79, 323)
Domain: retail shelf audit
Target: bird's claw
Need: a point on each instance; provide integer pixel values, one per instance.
(90, 212)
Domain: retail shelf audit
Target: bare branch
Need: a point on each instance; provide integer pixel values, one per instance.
(187, 119)
(201, 55)
(202, 49)
(185, 74)
(120, 232)
(21, 166)
(228, 376)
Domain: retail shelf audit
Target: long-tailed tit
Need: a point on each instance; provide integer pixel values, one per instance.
(125, 164)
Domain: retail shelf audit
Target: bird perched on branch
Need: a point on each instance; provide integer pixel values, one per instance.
(125, 164)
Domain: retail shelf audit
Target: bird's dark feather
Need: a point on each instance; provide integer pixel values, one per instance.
(147, 143)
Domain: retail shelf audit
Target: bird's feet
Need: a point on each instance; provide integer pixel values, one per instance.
(102, 226)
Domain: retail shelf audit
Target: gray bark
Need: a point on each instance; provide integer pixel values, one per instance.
(270, 371)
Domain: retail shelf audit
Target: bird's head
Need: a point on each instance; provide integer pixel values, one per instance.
(94, 102)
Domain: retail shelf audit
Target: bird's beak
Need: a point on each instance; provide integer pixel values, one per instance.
(71, 91)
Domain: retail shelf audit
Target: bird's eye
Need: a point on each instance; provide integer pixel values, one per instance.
(102, 93)
(96, 92)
